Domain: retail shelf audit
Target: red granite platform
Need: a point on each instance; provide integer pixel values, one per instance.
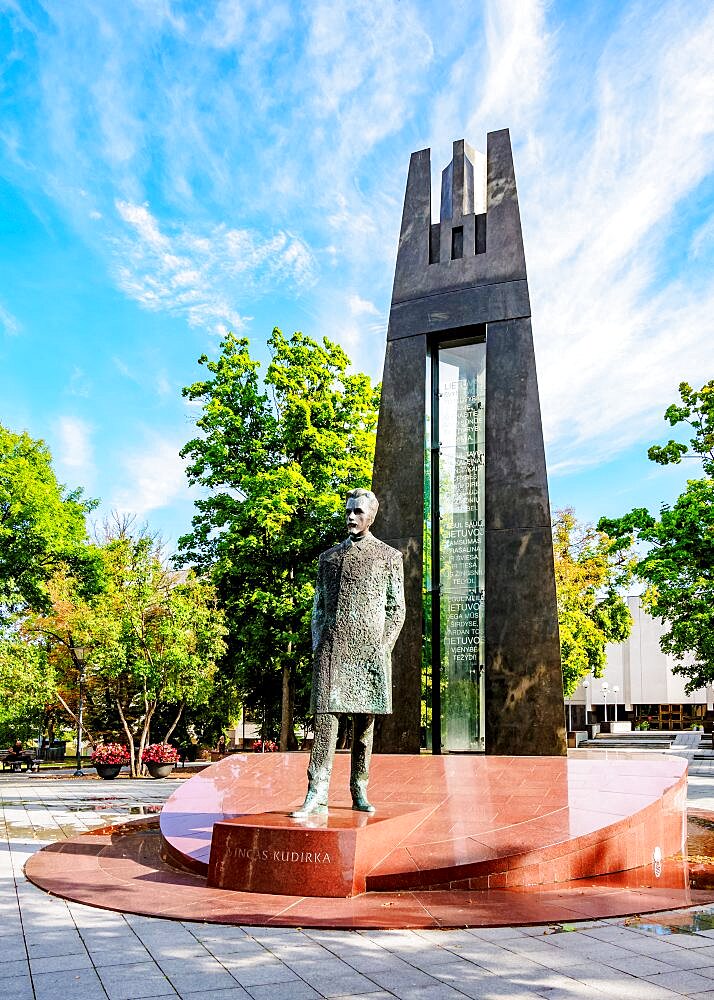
(465, 822)
(513, 802)
(121, 868)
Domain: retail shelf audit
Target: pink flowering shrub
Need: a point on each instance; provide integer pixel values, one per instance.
(160, 753)
(270, 746)
(110, 753)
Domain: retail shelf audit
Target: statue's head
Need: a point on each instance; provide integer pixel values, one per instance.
(362, 507)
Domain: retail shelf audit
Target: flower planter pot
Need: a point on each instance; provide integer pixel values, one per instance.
(159, 770)
(108, 771)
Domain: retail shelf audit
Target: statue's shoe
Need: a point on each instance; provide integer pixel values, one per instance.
(312, 806)
(360, 803)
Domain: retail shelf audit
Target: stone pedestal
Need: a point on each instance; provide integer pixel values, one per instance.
(326, 855)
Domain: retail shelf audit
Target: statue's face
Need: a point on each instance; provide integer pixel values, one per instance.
(359, 516)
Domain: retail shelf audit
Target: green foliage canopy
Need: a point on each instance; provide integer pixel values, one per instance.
(678, 564)
(277, 459)
(590, 570)
(42, 525)
(151, 637)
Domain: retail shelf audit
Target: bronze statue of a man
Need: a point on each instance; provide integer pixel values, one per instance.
(356, 618)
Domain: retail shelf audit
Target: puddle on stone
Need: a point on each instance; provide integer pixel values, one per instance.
(688, 923)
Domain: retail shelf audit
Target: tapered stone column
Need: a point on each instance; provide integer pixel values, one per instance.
(464, 278)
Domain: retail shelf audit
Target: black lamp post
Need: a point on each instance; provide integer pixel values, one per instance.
(79, 653)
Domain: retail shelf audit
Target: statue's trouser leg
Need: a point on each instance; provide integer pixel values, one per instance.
(362, 737)
(319, 769)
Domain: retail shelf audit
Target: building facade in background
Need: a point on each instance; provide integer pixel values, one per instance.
(640, 684)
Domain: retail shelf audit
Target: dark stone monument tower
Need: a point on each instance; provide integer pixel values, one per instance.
(460, 472)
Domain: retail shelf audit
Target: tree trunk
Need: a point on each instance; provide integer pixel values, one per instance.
(73, 717)
(286, 721)
(130, 739)
(174, 723)
(287, 705)
(144, 738)
(293, 743)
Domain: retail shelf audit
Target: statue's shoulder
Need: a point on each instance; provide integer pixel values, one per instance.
(329, 555)
(388, 552)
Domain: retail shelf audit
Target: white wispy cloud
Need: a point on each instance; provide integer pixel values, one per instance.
(702, 239)
(155, 476)
(9, 323)
(615, 334)
(362, 307)
(305, 115)
(201, 275)
(79, 384)
(75, 452)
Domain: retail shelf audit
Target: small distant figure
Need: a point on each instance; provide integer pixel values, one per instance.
(17, 751)
(17, 755)
(222, 746)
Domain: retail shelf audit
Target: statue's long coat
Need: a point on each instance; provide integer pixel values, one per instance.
(356, 618)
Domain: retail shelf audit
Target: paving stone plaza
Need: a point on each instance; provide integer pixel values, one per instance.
(52, 948)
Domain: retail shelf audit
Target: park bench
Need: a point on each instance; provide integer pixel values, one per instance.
(28, 761)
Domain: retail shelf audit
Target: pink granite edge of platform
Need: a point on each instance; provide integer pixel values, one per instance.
(591, 823)
(624, 844)
(98, 886)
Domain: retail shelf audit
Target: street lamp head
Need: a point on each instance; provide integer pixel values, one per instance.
(615, 689)
(605, 686)
(586, 684)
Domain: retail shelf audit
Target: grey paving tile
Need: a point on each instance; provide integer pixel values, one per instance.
(640, 965)
(705, 955)
(379, 995)
(498, 988)
(235, 993)
(330, 966)
(628, 988)
(395, 979)
(79, 984)
(284, 991)
(217, 932)
(54, 943)
(15, 967)
(116, 948)
(682, 981)
(575, 991)
(131, 982)
(228, 951)
(197, 973)
(18, 988)
(681, 958)
(370, 961)
(253, 974)
(437, 991)
(60, 963)
(430, 958)
(343, 985)
(497, 933)
(690, 941)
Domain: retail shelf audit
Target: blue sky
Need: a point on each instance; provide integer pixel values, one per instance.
(169, 170)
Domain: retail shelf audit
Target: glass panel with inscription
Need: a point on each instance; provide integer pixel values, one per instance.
(461, 491)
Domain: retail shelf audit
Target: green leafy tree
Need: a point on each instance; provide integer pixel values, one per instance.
(678, 563)
(27, 683)
(590, 571)
(276, 459)
(150, 638)
(42, 525)
(42, 532)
